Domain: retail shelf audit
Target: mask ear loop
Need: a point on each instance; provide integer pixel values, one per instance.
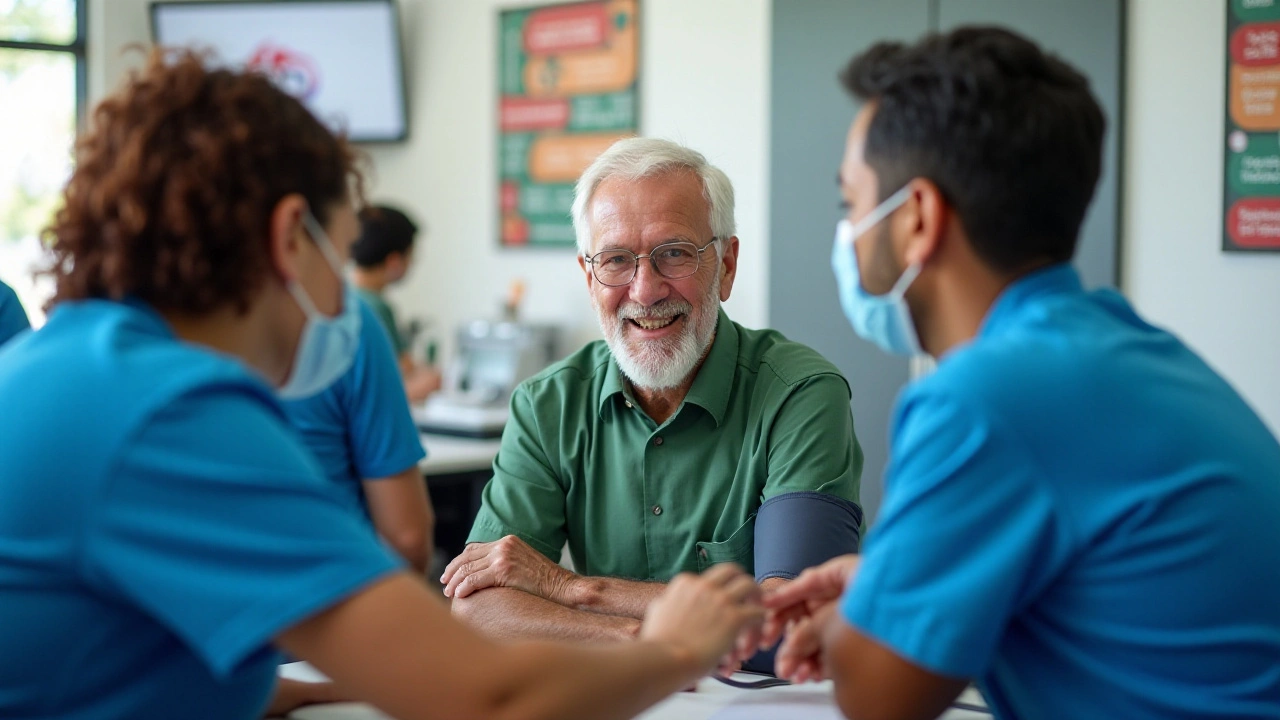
(879, 213)
(322, 241)
(321, 238)
(904, 281)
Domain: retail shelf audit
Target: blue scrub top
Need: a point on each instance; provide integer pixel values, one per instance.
(160, 523)
(1081, 514)
(360, 427)
(13, 319)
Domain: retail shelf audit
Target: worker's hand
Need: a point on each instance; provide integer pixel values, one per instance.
(813, 589)
(510, 563)
(420, 381)
(799, 658)
(749, 641)
(705, 614)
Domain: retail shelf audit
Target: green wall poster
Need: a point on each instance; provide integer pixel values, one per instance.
(567, 89)
(1251, 191)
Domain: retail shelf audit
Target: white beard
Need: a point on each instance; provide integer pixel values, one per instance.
(663, 364)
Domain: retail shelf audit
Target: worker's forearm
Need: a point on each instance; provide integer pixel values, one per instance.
(393, 645)
(547, 680)
(413, 548)
(504, 613)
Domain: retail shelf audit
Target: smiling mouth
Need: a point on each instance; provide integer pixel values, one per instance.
(654, 323)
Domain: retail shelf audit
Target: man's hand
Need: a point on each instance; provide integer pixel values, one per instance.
(799, 599)
(510, 563)
(705, 614)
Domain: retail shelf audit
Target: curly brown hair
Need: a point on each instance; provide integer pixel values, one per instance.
(176, 181)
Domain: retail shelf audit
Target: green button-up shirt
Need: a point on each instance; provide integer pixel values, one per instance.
(580, 461)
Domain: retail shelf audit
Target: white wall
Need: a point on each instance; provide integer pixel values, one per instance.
(704, 82)
(1225, 305)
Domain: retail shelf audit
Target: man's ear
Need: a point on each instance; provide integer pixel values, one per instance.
(925, 216)
(582, 263)
(728, 267)
(287, 235)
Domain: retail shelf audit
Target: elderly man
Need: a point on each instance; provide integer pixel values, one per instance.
(679, 441)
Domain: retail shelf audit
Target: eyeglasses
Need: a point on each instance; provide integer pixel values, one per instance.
(673, 261)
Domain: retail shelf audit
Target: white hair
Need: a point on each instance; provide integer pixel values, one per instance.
(638, 158)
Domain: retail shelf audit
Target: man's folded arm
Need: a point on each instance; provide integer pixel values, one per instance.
(508, 614)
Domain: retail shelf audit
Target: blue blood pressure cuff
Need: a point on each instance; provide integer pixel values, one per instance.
(798, 530)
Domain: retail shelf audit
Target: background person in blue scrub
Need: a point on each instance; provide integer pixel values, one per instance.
(1079, 513)
(161, 524)
(13, 319)
(382, 254)
(360, 430)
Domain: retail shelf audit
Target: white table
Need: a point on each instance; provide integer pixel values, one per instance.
(447, 454)
(802, 702)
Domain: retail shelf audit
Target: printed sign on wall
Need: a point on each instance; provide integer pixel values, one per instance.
(1251, 191)
(568, 89)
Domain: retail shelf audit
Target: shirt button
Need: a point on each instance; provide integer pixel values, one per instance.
(657, 440)
(628, 403)
(702, 553)
(657, 509)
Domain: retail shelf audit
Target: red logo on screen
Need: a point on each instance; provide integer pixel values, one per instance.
(289, 69)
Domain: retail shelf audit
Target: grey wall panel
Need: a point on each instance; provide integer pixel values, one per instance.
(1089, 35)
(810, 115)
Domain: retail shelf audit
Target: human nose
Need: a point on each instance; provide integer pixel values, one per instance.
(647, 287)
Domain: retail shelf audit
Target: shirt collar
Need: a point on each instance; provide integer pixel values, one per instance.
(146, 315)
(1053, 280)
(711, 387)
(613, 385)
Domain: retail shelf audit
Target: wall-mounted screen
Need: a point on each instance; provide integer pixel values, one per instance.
(340, 57)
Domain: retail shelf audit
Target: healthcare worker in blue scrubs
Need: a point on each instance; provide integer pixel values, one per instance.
(360, 430)
(162, 527)
(1079, 513)
(13, 319)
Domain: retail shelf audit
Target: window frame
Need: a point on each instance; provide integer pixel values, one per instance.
(77, 48)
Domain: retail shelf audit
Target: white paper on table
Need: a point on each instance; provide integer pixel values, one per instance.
(794, 702)
(302, 672)
(814, 703)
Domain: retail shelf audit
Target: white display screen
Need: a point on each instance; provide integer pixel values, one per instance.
(340, 57)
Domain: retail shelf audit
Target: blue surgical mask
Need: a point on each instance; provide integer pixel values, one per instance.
(328, 344)
(882, 319)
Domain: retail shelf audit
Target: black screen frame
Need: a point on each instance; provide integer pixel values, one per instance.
(157, 6)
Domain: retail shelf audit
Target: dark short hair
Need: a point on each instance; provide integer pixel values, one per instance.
(1011, 136)
(383, 230)
(176, 181)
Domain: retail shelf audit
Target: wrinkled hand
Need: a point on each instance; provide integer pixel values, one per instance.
(799, 658)
(797, 600)
(510, 563)
(705, 614)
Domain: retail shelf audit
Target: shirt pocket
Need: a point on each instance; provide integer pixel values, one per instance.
(739, 548)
